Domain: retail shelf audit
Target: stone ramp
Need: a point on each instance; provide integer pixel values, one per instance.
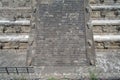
(60, 33)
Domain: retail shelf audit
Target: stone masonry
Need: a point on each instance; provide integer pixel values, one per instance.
(107, 53)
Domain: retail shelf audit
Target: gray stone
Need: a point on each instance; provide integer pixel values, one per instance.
(63, 42)
(0, 4)
(12, 58)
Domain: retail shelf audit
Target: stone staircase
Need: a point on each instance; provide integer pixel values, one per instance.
(16, 35)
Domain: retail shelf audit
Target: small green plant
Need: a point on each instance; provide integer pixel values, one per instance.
(93, 76)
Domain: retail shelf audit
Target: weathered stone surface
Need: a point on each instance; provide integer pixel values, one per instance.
(12, 29)
(23, 45)
(25, 29)
(15, 3)
(111, 15)
(14, 10)
(105, 14)
(92, 1)
(15, 14)
(60, 33)
(107, 63)
(104, 1)
(9, 29)
(95, 14)
(1, 29)
(97, 29)
(12, 58)
(106, 29)
(11, 45)
(107, 45)
(99, 45)
(107, 66)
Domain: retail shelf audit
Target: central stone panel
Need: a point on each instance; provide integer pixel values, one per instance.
(61, 37)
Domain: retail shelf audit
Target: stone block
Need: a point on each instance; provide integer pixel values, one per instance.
(5, 3)
(106, 45)
(105, 1)
(105, 29)
(103, 14)
(113, 29)
(1, 45)
(1, 29)
(10, 29)
(11, 45)
(0, 4)
(22, 3)
(110, 29)
(23, 45)
(111, 45)
(92, 1)
(27, 16)
(6, 46)
(17, 29)
(25, 29)
(108, 1)
(14, 45)
(97, 29)
(99, 45)
(110, 14)
(118, 28)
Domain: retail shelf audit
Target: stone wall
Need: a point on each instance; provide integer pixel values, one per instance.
(13, 51)
(111, 29)
(107, 53)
